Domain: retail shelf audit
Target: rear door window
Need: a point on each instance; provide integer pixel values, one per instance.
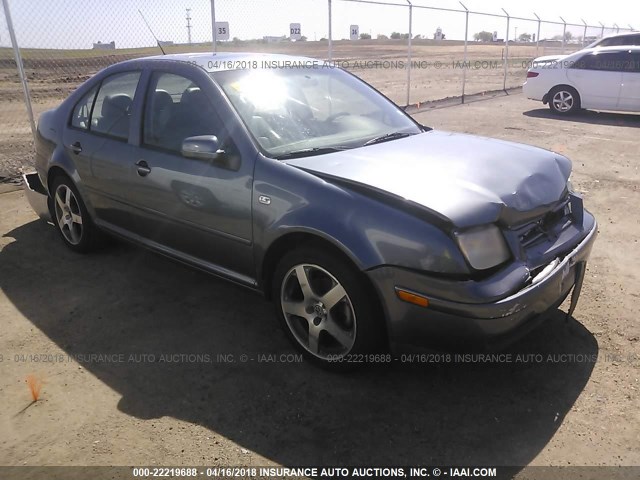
(605, 61)
(112, 108)
(81, 116)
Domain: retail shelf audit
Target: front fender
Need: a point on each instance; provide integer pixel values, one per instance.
(371, 232)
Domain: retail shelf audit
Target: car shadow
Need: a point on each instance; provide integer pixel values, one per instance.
(127, 301)
(589, 116)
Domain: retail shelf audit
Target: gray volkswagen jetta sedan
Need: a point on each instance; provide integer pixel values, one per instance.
(299, 180)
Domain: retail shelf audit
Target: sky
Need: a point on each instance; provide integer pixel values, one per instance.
(79, 23)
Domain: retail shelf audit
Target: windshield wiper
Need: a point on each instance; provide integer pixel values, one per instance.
(386, 137)
(309, 152)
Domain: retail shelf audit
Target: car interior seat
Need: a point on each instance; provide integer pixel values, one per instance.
(114, 115)
(160, 112)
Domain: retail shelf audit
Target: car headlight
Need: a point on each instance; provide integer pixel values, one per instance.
(569, 185)
(484, 247)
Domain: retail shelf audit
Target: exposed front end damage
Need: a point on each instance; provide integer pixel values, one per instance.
(36, 195)
(500, 308)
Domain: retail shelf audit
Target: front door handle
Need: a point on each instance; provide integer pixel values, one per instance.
(76, 147)
(143, 168)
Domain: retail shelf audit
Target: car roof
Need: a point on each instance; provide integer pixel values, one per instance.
(213, 62)
(615, 35)
(619, 48)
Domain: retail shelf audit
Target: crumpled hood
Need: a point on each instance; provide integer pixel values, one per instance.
(470, 180)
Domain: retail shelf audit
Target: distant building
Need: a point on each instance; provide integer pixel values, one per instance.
(271, 39)
(104, 46)
(166, 43)
(438, 35)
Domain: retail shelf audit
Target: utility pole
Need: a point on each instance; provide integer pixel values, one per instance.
(189, 24)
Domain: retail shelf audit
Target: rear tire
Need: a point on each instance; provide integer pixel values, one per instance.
(326, 309)
(70, 216)
(564, 100)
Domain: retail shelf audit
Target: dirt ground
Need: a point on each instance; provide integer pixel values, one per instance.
(150, 395)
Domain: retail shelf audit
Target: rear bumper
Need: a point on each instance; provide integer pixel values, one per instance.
(447, 323)
(36, 195)
(534, 90)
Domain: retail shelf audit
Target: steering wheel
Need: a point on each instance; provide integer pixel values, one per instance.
(335, 116)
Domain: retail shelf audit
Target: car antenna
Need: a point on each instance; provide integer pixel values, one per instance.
(154, 35)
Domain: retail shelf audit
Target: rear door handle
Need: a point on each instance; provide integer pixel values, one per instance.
(143, 168)
(76, 147)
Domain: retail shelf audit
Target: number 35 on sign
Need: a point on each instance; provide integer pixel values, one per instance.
(222, 30)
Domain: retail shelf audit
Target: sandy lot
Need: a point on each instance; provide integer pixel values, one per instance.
(152, 398)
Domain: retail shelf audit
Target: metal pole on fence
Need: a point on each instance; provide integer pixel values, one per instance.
(21, 74)
(409, 51)
(506, 53)
(330, 35)
(213, 26)
(601, 31)
(564, 35)
(538, 35)
(584, 35)
(617, 28)
(466, 38)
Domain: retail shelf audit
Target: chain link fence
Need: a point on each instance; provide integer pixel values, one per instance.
(412, 52)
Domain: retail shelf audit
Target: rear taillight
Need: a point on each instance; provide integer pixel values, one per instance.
(532, 74)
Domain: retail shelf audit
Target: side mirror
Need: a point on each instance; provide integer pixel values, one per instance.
(203, 147)
(207, 147)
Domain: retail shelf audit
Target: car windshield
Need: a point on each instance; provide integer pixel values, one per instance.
(307, 111)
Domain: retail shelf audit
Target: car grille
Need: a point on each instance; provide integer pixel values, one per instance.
(546, 227)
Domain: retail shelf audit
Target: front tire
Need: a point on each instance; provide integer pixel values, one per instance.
(564, 100)
(326, 309)
(70, 216)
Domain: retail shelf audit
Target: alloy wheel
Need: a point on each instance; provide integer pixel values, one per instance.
(563, 101)
(318, 311)
(68, 214)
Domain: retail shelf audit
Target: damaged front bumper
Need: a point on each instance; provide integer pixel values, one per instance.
(447, 322)
(36, 195)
